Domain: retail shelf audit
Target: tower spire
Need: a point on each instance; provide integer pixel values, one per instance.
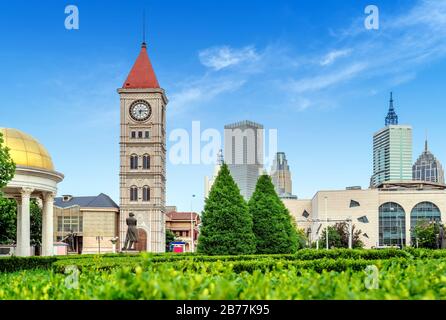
(144, 44)
(392, 117)
(426, 147)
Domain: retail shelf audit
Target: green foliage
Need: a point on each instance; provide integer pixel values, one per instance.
(226, 223)
(338, 236)
(170, 237)
(309, 275)
(7, 165)
(14, 264)
(426, 234)
(8, 222)
(273, 228)
(334, 238)
(36, 223)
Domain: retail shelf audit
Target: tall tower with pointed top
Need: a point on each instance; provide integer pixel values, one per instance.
(392, 151)
(428, 168)
(392, 117)
(143, 154)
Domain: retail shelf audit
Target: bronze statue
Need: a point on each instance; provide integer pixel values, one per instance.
(132, 233)
(69, 239)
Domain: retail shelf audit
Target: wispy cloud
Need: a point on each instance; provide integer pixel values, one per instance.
(324, 81)
(202, 90)
(365, 60)
(332, 56)
(218, 58)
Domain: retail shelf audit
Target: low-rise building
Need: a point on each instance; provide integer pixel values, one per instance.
(93, 222)
(385, 215)
(183, 225)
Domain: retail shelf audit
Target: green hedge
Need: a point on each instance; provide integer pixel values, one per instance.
(14, 264)
(111, 261)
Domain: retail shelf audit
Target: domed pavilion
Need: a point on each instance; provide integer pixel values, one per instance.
(35, 178)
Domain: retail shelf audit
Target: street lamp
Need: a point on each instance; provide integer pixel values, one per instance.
(326, 228)
(98, 239)
(192, 249)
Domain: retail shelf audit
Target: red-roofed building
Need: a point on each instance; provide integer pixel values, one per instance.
(182, 224)
(142, 75)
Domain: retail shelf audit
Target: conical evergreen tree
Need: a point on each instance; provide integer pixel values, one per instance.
(226, 223)
(273, 226)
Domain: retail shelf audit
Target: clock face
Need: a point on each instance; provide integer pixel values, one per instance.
(140, 111)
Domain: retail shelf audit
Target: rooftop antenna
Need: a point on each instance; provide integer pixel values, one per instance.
(426, 147)
(144, 28)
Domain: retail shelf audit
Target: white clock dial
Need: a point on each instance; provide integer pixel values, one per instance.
(140, 111)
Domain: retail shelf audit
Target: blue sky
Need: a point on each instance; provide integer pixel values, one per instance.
(307, 68)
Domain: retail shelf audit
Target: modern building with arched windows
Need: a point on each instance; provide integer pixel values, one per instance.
(386, 215)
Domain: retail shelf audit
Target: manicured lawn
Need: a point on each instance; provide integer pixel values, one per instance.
(310, 274)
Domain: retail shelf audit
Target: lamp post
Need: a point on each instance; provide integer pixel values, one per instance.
(326, 228)
(192, 249)
(99, 238)
(350, 233)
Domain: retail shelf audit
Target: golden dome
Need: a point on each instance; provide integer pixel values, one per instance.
(25, 150)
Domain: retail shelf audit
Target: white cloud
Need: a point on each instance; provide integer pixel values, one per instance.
(327, 80)
(218, 58)
(332, 56)
(202, 90)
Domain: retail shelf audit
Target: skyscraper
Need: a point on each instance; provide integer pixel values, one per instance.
(244, 154)
(209, 181)
(428, 168)
(281, 176)
(392, 151)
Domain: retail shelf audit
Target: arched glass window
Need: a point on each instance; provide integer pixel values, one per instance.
(133, 162)
(424, 211)
(134, 193)
(392, 224)
(146, 162)
(146, 194)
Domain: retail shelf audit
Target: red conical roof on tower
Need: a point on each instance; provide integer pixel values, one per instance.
(142, 75)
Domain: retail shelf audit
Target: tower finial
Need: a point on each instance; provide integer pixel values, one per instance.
(392, 117)
(144, 28)
(426, 146)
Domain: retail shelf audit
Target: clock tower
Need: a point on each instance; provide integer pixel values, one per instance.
(143, 155)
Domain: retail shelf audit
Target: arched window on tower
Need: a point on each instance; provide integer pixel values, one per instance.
(133, 193)
(146, 162)
(133, 162)
(146, 194)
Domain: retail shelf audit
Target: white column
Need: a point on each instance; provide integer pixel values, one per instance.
(25, 223)
(18, 250)
(48, 224)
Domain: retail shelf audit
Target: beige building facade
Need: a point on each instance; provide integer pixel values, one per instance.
(143, 155)
(93, 221)
(385, 215)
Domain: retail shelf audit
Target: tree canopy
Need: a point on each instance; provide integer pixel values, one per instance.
(273, 227)
(226, 223)
(7, 165)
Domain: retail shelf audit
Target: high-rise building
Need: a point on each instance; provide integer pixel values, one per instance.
(143, 155)
(428, 168)
(244, 154)
(209, 181)
(281, 176)
(392, 151)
